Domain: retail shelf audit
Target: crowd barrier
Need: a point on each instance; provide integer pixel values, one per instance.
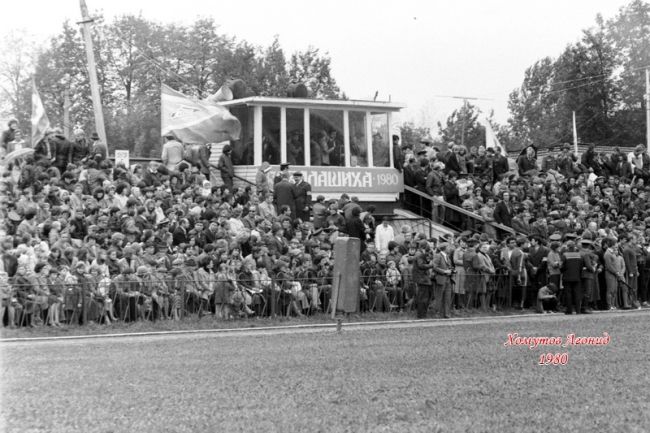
(134, 299)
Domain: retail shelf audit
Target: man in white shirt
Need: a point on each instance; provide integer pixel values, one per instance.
(383, 235)
(636, 159)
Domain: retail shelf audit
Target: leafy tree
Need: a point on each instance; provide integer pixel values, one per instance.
(313, 69)
(134, 56)
(411, 134)
(600, 77)
(16, 67)
(462, 127)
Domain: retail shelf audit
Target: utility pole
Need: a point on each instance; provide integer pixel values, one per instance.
(647, 109)
(66, 115)
(575, 135)
(92, 71)
(462, 132)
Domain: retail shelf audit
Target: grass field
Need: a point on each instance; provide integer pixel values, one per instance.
(446, 377)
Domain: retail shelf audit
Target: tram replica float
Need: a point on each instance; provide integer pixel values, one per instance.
(340, 146)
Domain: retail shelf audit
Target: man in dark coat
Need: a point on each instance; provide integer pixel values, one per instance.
(572, 264)
(98, 149)
(80, 148)
(303, 196)
(226, 169)
(62, 153)
(442, 268)
(500, 164)
(398, 155)
(421, 267)
(284, 169)
(180, 234)
(355, 229)
(10, 133)
(284, 193)
(503, 211)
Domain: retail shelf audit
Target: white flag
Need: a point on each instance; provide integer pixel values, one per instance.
(40, 122)
(491, 140)
(194, 121)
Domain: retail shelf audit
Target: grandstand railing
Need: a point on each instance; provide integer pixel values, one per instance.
(423, 204)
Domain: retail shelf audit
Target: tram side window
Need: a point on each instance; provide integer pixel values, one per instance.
(358, 145)
(271, 135)
(242, 149)
(295, 136)
(380, 144)
(326, 137)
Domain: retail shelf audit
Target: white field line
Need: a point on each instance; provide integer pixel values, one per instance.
(319, 327)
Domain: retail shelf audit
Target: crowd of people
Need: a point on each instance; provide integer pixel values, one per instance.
(573, 230)
(84, 240)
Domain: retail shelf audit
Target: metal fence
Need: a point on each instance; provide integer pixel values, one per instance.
(131, 299)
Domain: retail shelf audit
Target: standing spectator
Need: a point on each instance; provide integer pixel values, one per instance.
(285, 194)
(98, 149)
(571, 270)
(355, 229)
(484, 268)
(588, 274)
(284, 169)
(384, 233)
(80, 147)
(398, 156)
(261, 179)
(420, 275)
(319, 213)
(442, 269)
(172, 152)
(451, 195)
(500, 164)
(9, 134)
(303, 196)
(226, 168)
(631, 270)
(503, 211)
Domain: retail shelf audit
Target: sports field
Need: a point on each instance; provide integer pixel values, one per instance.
(427, 377)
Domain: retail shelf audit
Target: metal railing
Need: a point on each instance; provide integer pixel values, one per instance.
(423, 204)
(150, 299)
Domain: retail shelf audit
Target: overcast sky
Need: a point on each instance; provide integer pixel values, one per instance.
(410, 50)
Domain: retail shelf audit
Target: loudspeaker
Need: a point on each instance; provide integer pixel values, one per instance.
(346, 275)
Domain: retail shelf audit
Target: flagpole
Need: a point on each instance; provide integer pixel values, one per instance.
(92, 71)
(575, 135)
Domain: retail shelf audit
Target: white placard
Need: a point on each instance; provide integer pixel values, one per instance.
(122, 158)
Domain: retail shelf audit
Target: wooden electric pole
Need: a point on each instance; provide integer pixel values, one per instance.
(647, 109)
(92, 71)
(66, 115)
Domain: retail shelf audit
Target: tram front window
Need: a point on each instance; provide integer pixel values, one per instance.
(295, 136)
(326, 140)
(271, 135)
(358, 146)
(380, 144)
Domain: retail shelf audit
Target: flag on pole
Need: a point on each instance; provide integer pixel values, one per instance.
(491, 140)
(40, 122)
(194, 121)
(575, 135)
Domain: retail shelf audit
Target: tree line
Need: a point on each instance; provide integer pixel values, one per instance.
(601, 77)
(134, 57)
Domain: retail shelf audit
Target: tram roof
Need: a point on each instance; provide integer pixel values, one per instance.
(315, 103)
